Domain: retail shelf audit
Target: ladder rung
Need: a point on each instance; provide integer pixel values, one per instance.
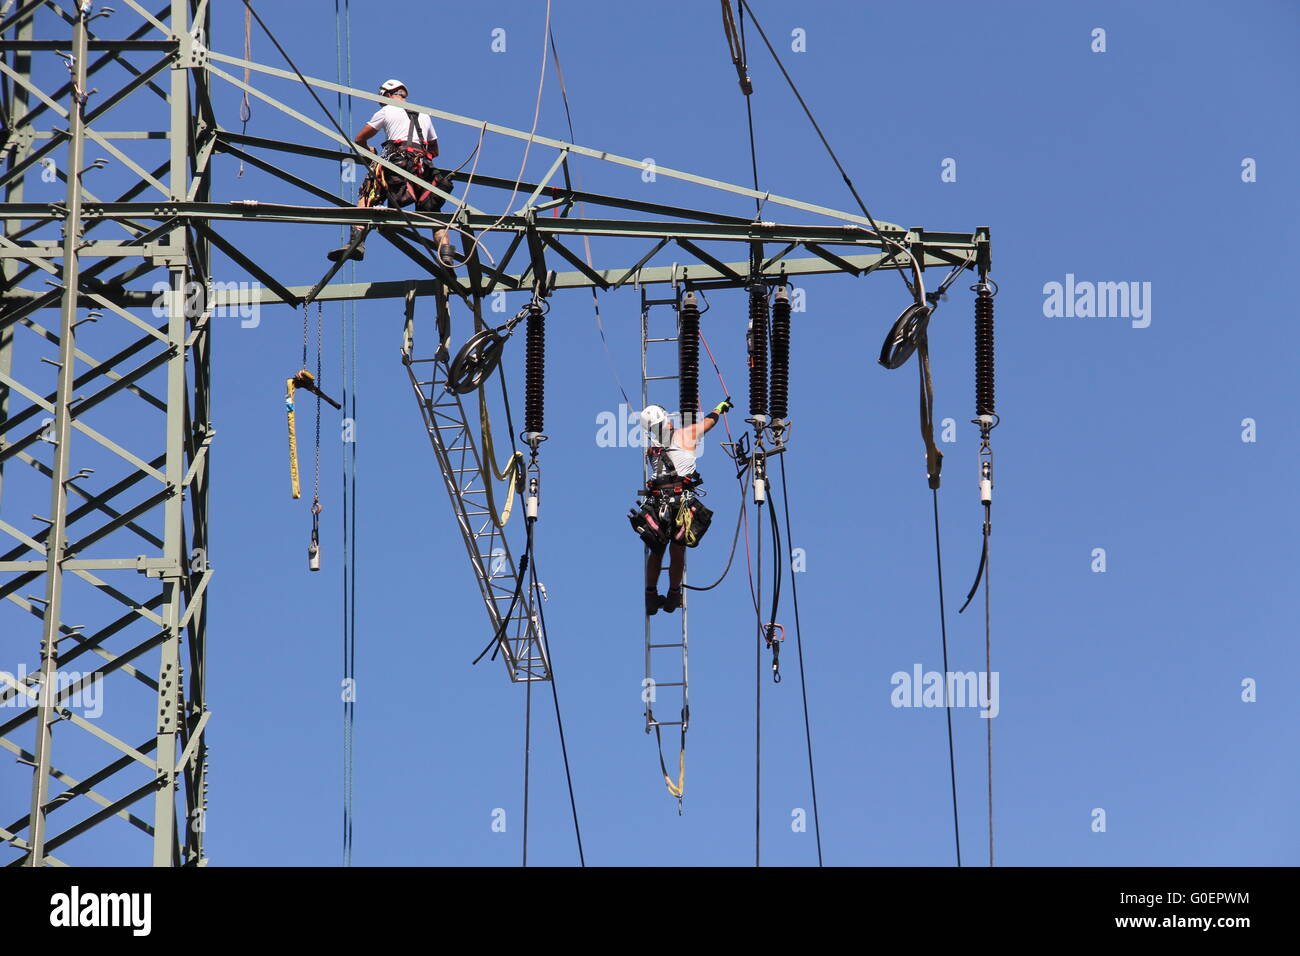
(665, 723)
(660, 378)
(668, 645)
(677, 684)
(673, 339)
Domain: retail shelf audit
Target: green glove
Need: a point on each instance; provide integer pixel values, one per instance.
(723, 406)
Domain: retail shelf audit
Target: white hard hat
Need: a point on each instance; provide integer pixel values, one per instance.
(653, 418)
(391, 85)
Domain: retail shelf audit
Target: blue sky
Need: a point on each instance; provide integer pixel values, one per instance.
(1119, 690)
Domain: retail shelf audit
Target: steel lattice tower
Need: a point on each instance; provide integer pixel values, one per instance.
(106, 307)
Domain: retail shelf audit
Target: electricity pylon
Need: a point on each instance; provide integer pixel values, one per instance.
(104, 406)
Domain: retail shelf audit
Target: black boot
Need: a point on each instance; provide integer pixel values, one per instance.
(652, 601)
(359, 253)
(674, 600)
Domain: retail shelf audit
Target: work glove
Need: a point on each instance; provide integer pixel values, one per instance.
(724, 406)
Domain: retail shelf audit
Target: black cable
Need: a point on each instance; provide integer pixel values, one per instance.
(495, 644)
(528, 731)
(803, 684)
(749, 114)
(559, 722)
(838, 165)
(758, 688)
(776, 565)
(947, 681)
(988, 678)
(735, 539)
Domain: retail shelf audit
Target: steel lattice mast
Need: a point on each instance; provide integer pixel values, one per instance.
(120, 443)
(121, 383)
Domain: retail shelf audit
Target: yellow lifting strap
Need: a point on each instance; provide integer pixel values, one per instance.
(678, 788)
(511, 470)
(685, 521)
(293, 440)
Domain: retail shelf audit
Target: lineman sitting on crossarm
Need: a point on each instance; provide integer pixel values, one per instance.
(409, 143)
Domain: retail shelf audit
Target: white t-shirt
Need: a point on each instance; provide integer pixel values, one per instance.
(393, 122)
(683, 460)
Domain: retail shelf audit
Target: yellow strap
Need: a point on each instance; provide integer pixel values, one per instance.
(678, 788)
(293, 443)
(511, 471)
(685, 518)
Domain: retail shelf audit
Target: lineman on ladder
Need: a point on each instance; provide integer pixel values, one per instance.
(410, 143)
(671, 512)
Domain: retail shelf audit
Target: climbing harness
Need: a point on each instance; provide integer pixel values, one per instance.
(413, 156)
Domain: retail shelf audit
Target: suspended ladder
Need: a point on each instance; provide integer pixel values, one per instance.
(666, 657)
(457, 447)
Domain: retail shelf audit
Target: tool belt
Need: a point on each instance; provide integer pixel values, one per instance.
(670, 511)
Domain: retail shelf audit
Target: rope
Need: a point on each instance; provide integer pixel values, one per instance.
(947, 683)
(511, 470)
(803, 686)
(537, 112)
(586, 240)
(245, 104)
(348, 353)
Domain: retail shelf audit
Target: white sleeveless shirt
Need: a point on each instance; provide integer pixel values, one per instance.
(683, 461)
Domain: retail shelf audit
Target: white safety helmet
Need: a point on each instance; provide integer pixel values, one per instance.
(390, 86)
(653, 419)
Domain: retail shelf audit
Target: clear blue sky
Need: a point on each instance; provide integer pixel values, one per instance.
(1119, 690)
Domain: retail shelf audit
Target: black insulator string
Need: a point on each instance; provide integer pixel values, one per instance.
(757, 352)
(688, 361)
(535, 370)
(947, 682)
(984, 404)
(803, 684)
(780, 357)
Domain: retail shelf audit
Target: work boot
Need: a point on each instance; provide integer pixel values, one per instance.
(652, 601)
(359, 253)
(673, 601)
